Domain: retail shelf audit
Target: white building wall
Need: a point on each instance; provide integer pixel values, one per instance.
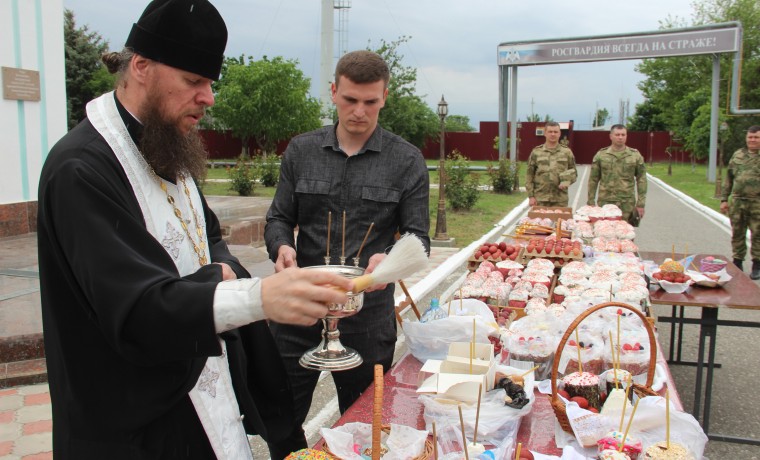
(31, 38)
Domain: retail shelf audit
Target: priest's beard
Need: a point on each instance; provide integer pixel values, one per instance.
(169, 152)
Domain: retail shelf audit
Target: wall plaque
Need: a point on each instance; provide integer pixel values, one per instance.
(21, 84)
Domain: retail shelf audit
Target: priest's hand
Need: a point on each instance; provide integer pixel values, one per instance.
(373, 262)
(300, 297)
(286, 258)
(227, 272)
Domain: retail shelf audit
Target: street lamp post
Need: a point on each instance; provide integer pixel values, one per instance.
(440, 223)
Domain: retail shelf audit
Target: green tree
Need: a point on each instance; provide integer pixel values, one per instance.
(504, 176)
(265, 100)
(458, 124)
(698, 141)
(82, 50)
(534, 117)
(647, 117)
(461, 185)
(677, 90)
(405, 113)
(101, 82)
(601, 117)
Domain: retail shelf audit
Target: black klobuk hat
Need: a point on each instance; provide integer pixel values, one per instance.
(186, 34)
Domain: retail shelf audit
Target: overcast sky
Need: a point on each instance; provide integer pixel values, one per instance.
(452, 46)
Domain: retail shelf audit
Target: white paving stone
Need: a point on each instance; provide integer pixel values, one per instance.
(34, 444)
(9, 431)
(34, 389)
(34, 413)
(11, 402)
(10, 457)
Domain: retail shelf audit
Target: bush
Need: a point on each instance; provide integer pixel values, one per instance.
(242, 178)
(504, 177)
(269, 169)
(461, 186)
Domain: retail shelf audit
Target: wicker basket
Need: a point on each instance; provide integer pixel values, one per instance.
(377, 426)
(641, 390)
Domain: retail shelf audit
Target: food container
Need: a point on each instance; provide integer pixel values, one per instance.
(551, 212)
(675, 288)
(701, 279)
(710, 265)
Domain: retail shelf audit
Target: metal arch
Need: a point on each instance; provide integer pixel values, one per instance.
(508, 80)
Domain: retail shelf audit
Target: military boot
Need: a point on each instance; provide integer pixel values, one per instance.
(755, 275)
(739, 264)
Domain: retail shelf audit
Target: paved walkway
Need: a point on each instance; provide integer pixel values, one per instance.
(26, 423)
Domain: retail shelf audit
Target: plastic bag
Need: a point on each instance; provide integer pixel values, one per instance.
(471, 307)
(533, 343)
(497, 422)
(433, 313)
(648, 426)
(431, 340)
(450, 444)
(591, 351)
(634, 354)
(403, 441)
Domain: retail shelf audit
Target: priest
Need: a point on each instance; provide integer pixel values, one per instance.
(156, 337)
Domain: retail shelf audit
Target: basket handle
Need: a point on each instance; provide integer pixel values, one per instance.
(584, 315)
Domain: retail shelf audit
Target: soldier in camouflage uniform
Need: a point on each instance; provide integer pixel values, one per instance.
(621, 176)
(743, 185)
(551, 170)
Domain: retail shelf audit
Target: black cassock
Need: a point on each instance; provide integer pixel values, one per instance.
(125, 336)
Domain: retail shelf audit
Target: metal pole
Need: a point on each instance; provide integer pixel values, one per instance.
(326, 64)
(440, 223)
(714, 119)
(513, 113)
(503, 91)
(721, 152)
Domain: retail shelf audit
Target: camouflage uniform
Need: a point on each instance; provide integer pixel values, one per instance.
(547, 169)
(622, 180)
(743, 185)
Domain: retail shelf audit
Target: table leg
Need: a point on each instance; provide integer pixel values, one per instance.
(711, 316)
(680, 330)
(678, 318)
(700, 366)
(734, 439)
(672, 334)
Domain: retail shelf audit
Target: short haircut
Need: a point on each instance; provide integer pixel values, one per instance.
(551, 123)
(362, 67)
(617, 127)
(753, 129)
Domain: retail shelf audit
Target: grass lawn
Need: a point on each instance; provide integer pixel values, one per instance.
(223, 188)
(467, 226)
(692, 182)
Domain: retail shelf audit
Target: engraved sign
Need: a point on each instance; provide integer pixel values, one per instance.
(21, 84)
(629, 46)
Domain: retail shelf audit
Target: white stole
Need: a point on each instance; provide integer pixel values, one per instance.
(213, 396)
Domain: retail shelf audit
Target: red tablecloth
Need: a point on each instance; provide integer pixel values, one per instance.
(402, 406)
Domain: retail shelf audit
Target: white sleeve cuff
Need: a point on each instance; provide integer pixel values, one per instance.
(237, 303)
